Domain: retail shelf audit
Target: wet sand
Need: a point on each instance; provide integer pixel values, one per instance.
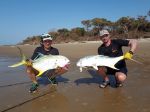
(76, 92)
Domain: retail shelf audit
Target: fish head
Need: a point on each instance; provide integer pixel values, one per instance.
(64, 61)
(88, 61)
(81, 63)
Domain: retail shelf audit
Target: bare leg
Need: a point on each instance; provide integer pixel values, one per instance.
(102, 72)
(32, 74)
(120, 77)
(56, 72)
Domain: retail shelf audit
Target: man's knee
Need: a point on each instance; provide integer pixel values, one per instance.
(121, 76)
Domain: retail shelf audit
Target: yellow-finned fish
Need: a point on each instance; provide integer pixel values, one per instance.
(45, 62)
(98, 60)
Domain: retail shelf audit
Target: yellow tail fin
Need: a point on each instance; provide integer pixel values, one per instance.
(133, 60)
(23, 62)
(137, 61)
(18, 64)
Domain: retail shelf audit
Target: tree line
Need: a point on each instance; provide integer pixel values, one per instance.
(124, 27)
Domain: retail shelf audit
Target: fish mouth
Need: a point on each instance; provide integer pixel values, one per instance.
(78, 64)
(66, 67)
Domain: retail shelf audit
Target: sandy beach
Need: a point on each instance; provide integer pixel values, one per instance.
(77, 91)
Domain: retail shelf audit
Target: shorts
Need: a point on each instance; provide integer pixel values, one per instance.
(111, 71)
(48, 73)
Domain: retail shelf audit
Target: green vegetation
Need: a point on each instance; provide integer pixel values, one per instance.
(125, 27)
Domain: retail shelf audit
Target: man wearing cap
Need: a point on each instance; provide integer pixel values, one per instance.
(44, 49)
(113, 48)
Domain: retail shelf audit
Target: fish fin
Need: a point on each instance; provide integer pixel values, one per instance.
(114, 61)
(113, 67)
(137, 61)
(23, 62)
(118, 58)
(40, 73)
(39, 55)
(81, 69)
(95, 67)
(18, 64)
(122, 57)
(133, 60)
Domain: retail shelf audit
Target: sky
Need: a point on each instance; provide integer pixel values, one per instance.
(20, 19)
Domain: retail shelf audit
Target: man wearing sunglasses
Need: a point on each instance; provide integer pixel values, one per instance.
(45, 49)
(113, 48)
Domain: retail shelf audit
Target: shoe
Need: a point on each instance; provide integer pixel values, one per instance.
(119, 84)
(34, 87)
(104, 84)
(54, 81)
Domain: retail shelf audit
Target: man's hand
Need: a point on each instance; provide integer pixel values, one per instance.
(128, 55)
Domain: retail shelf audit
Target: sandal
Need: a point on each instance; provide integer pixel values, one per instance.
(119, 84)
(33, 88)
(104, 84)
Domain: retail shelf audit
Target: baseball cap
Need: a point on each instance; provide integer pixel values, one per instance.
(103, 32)
(46, 37)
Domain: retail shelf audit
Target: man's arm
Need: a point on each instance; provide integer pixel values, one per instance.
(133, 45)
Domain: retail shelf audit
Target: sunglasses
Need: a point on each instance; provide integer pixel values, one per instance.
(47, 41)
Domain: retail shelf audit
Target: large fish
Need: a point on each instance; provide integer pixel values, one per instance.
(45, 62)
(98, 60)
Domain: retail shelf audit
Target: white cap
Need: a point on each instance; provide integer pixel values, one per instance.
(103, 32)
(46, 37)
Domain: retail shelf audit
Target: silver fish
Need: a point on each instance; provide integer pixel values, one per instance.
(45, 62)
(98, 60)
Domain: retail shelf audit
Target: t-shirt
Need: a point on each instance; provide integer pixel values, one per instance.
(40, 50)
(114, 50)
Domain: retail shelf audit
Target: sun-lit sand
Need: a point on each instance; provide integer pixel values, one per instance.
(76, 92)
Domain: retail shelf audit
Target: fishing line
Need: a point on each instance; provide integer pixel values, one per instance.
(27, 101)
(32, 99)
(2, 86)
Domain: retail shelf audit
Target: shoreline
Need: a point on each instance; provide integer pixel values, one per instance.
(79, 42)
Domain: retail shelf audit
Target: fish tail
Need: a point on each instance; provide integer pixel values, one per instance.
(18, 64)
(118, 59)
(133, 60)
(115, 60)
(123, 57)
(137, 61)
(22, 62)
